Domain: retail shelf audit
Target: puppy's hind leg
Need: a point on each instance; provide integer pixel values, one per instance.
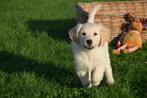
(89, 78)
(84, 77)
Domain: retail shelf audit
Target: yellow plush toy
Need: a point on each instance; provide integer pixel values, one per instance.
(130, 40)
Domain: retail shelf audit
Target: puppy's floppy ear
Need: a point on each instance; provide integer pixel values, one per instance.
(73, 33)
(104, 35)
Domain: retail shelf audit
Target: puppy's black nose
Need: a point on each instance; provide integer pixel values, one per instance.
(89, 41)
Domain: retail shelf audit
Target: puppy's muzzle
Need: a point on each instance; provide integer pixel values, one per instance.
(89, 42)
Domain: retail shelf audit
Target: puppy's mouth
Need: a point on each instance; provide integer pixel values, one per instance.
(89, 48)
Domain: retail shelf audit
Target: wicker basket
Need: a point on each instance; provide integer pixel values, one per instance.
(111, 14)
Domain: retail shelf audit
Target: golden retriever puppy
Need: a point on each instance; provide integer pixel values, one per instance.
(90, 51)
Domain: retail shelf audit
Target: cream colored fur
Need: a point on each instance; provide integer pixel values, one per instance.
(91, 58)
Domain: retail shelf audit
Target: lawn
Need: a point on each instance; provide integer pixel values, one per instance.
(36, 59)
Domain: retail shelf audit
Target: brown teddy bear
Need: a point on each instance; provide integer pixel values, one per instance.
(130, 39)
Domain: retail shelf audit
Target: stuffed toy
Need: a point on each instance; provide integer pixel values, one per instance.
(130, 38)
(144, 23)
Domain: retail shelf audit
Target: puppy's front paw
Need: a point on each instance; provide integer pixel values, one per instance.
(111, 82)
(90, 85)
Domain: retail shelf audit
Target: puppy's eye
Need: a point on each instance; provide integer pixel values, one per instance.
(83, 33)
(95, 34)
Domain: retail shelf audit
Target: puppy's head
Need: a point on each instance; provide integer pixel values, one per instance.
(89, 35)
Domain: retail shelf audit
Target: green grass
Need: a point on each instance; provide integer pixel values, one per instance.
(36, 59)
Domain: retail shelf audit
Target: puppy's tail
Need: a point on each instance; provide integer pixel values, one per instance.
(92, 14)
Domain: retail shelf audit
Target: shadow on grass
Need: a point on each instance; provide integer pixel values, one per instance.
(57, 29)
(13, 63)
